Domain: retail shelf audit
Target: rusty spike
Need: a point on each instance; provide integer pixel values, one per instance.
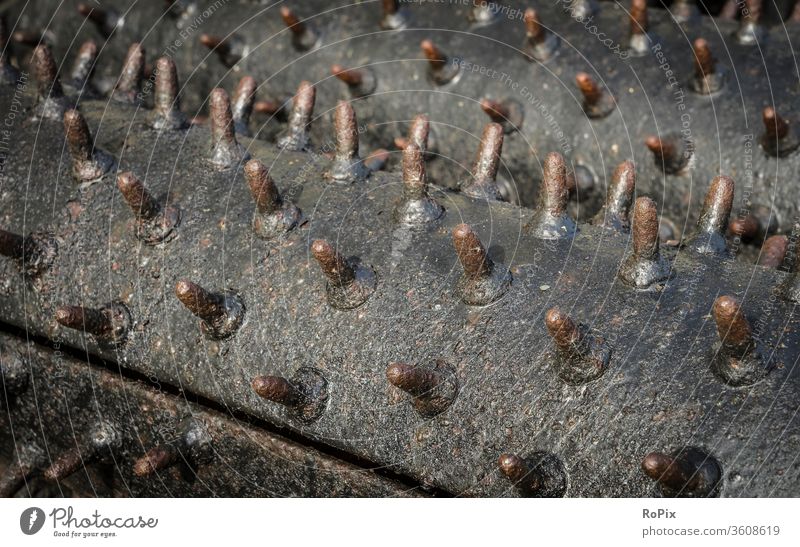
(101, 439)
(262, 187)
(225, 149)
(129, 84)
(441, 70)
(360, 81)
(215, 43)
(208, 306)
(534, 30)
(639, 42)
(377, 159)
(645, 229)
(709, 236)
(109, 322)
(487, 161)
(732, 327)
(597, 103)
(347, 165)
(746, 228)
(141, 202)
(471, 253)
(704, 62)
(773, 253)
(550, 221)
(51, 101)
(418, 133)
(413, 380)
(303, 36)
(669, 153)
(278, 390)
(562, 329)
(616, 213)
(166, 102)
(80, 77)
(155, 460)
(581, 356)
(750, 31)
(540, 44)
(674, 473)
(296, 137)
(87, 163)
(416, 207)
(394, 17)
(242, 106)
(508, 113)
(778, 138)
(332, 264)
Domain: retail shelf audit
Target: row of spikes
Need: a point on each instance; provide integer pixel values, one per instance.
(687, 472)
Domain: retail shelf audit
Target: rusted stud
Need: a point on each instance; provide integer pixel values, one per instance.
(230, 49)
(226, 152)
(110, 324)
(597, 101)
(360, 81)
(154, 224)
(773, 252)
(671, 153)
(687, 473)
(760, 222)
(441, 69)
(483, 184)
(581, 356)
(541, 475)
(582, 10)
(129, 85)
(304, 38)
(639, 42)
(105, 20)
(709, 235)
(540, 43)
(707, 78)
(507, 112)
(750, 30)
(483, 280)
(8, 74)
(167, 113)
(242, 105)
(419, 133)
(416, 207)
(433, 387)
(779, 139)
(377, 159)
(221, 314)
(394, 15)
(644, 267)
(80, 78)
(51, 102)
(350, 282)
(615, 214)
(30, 38)
(296, 136)
(551, 221)
(88, 163)
(193, 446)
(684, 11)
(347, 166)
(35, 252)
(305, 394)
(483, 13)
(101, 440)
(737, 360)
(274, 215)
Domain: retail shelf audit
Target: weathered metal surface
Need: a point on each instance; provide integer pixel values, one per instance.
(658, 391)
(164, 445)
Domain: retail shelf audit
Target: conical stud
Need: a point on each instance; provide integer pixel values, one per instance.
(750, 31)
(154, 224)
(615, 214)
(394, 15)
(242, 105)
(441, 69)
(167, 113)
(296, 136)
(192, 446)
(483, 280)
(347, 166)
(737, 360)
(226, 152)
(483, 184)
(304, 37)
(96, 446)
(540, 44)
(709, 235)
(274, 215)
(551, 221)
(432, 388)
(688, 473)
(360, 81)
(779, 139)
(221, 314)
(708, 78)
(644, 267)
(671, 153)
(507, 112)
(597, 101)
(51, 102)
(639, 42)
(129, 85)
(110, 324)
(416, 206)
(541, 475)
(349, 282)
(580, 355)
(88, 163)
(305, 394)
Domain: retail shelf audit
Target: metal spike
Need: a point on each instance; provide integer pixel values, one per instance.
(155, 460)
(8, 74)
(296, 137)
(81, 76)
(226, 152)
(154, 224)
(507, 112)
(689, 473)
(167, 113)
(101, 440)
(644, 266)
(416, 206)
(36, 252)
(109, 324)
(377, 159)
(106, 20)
(129, 85)
(360, 81)
(349, 282)
(540, 44)
(88, 163)
(778, 139)
(230, 49)
(433, 388)
(580, 356)
(737, 360)
(419, 132)
(305, 394)
(274, 215)
(639, 42)
(303, 36)
(671, 153)
(707, 79)
(760, 222)
(709, 236)
(550, 221)
(483, 184)
(773, 252)
(540, 476)
(347, 166)
(192, 446)
(220, 314)
(597, 102)
(684, 11)
(242, 106)
(750, 30)
(51, 102)
(483, 281)
(394, 16)
(615, 214)
(441, 69)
